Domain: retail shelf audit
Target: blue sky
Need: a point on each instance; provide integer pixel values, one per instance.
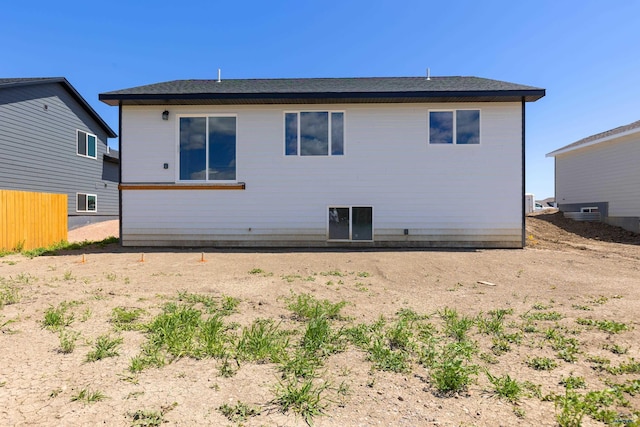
(586, 54)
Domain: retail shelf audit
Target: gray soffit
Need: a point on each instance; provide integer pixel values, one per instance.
(30, 81)
(324, 90)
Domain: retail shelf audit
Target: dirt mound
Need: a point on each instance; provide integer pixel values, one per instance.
(554, 231)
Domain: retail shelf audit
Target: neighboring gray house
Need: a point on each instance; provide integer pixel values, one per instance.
(601, 174)
(52, 141)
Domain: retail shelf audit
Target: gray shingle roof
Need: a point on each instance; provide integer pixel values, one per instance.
(22, 80)
(6, 83)
(112, 156)
(315, 90)
(596, 138)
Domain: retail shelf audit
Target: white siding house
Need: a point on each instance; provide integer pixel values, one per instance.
(398, 162)
(601, 173)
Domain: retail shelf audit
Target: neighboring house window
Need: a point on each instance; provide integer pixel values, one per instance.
(86, 143)
(86, 202)
(351, 223)
(590, 209)
(314, 133)
(208, 148)
(454, 127)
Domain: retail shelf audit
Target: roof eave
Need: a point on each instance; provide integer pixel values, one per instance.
(568, 149)
(115, 99)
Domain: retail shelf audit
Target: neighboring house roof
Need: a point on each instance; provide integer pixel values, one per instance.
(598, 138)
(324, 90)
(113, 156)
(6, 83)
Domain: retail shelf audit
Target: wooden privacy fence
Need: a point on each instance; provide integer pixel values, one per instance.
(32, 220)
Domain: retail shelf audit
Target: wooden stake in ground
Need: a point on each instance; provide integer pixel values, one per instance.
(141, 257)
(202, 258)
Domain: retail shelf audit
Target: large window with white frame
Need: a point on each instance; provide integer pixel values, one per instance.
(86, 144)
(314, 133)
(455, 127)
(207, 148)
(351, 223)
(86, 202)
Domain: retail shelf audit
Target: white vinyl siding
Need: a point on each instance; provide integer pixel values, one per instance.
(606, 172)
(435, 194)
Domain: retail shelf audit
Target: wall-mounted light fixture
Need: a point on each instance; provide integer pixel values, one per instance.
(165, 115)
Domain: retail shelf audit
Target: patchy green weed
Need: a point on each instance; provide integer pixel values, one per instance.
(609, 326)
(306, 306)
(263, 341)
(319, 339)
(125, 318)
(239, 412)
(9, 293)
(572, 382)
(541, 363)
(494, 323)
(68, 341)
(88, 396)
(229, 305)
(615, 348)
(543, 315)
(104, 347)
(303, 397)
(386, 359)
(456, 326)
(148, 418)
(56, 318)
(506, 387)
(452, 370)
(572, 406)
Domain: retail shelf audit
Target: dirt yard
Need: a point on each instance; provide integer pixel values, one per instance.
(560, 318)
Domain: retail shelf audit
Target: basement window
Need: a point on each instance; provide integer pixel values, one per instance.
(455, 127)
(86, 202)
(589, 209)
(314, 133)
(86, 144)
(351, 223)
